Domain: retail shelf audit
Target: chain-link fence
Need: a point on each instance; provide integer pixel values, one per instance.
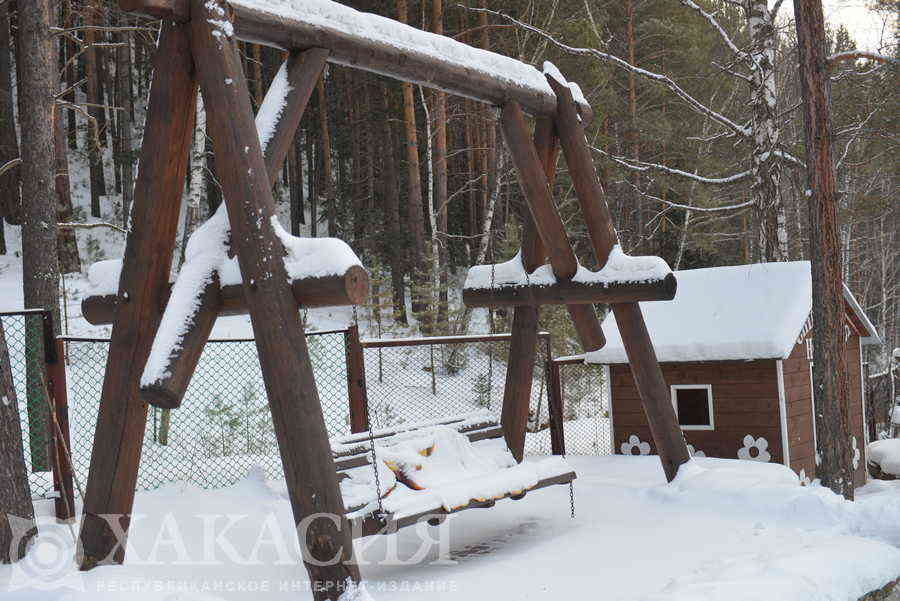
(23, 336)
(586, 413)
(223, 427)
(414, 380)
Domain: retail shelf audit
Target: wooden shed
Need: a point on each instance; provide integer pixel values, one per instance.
(735, 349)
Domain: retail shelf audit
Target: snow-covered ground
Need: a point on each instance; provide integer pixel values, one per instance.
(886, 455)
(725, 530)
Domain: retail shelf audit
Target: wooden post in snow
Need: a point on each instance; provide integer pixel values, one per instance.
(64, 504)
(356, 381)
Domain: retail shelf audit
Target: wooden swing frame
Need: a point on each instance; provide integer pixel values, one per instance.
(198, 47)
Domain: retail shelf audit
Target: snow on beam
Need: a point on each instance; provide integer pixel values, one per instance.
(571, 293)
(623, 279)
(380, 45)
(349, 288)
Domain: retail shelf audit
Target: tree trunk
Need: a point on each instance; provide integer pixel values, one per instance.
(295, 164)
(15, 492)
(67, 245)
(414, 194)
(197, 188)
(327, 166)
(634, 217)
(10, 198)
(830, 380)
(440, 184)
(392, 215)
(769, 241)
(123, 119)
(36, 67)
(94, 98)
(70, 19)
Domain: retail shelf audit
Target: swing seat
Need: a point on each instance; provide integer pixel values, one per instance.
(434, 469)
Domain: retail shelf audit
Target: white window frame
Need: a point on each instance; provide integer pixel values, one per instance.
(709, 400)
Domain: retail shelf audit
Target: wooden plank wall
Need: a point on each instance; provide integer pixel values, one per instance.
(798, 390)
(745, 401)
(798, 397)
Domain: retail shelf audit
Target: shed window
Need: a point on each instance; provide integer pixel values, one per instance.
(694, 406)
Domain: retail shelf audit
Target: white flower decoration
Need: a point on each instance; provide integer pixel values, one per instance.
(760, 444)
(804, 479)
(856, 454)
(694, 452)
(633, 443)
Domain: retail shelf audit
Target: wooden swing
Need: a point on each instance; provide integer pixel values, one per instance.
(198, 45)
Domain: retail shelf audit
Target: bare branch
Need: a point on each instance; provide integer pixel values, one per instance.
(90, 226)
(855, 55)
(10, 164)
(636, 165)
(711, 19)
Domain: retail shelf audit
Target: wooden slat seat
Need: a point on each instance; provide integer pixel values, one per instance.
(355, 452)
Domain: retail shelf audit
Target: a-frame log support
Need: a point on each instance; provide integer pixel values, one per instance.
(148, 257)
(303, 69)
(648, 376)
(284, 357)
(533, 161)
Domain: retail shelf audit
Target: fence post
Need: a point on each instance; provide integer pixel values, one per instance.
(555, 407)
(61, 439)
(356, 381)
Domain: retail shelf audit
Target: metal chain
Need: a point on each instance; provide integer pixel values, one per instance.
(380, 514)
(571, 498)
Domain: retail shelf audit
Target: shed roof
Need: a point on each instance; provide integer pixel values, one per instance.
(729, 313)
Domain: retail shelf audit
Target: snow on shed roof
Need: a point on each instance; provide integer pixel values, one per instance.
(727, 313)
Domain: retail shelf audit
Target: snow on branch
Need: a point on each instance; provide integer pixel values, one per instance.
(664, 80)
(10, 164)
(855, 55)
(636, 165)
(711, 19)
(675, 205)
(90, 226)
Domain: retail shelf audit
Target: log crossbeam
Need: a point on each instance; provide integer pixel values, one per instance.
(572, 293)
(347, 289)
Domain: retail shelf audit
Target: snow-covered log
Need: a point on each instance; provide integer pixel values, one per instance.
(379, 45)
(349, 288)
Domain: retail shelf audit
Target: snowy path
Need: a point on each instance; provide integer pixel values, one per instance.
(740, 531)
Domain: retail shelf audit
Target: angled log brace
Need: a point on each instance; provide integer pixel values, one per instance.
(644, 366)
(284, 356)
(148, 258)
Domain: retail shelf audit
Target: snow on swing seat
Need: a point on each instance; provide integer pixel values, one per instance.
(437, 470)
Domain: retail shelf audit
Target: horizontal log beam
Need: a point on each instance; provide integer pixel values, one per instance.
(571, 293)
(344, 290)
(288, 30)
